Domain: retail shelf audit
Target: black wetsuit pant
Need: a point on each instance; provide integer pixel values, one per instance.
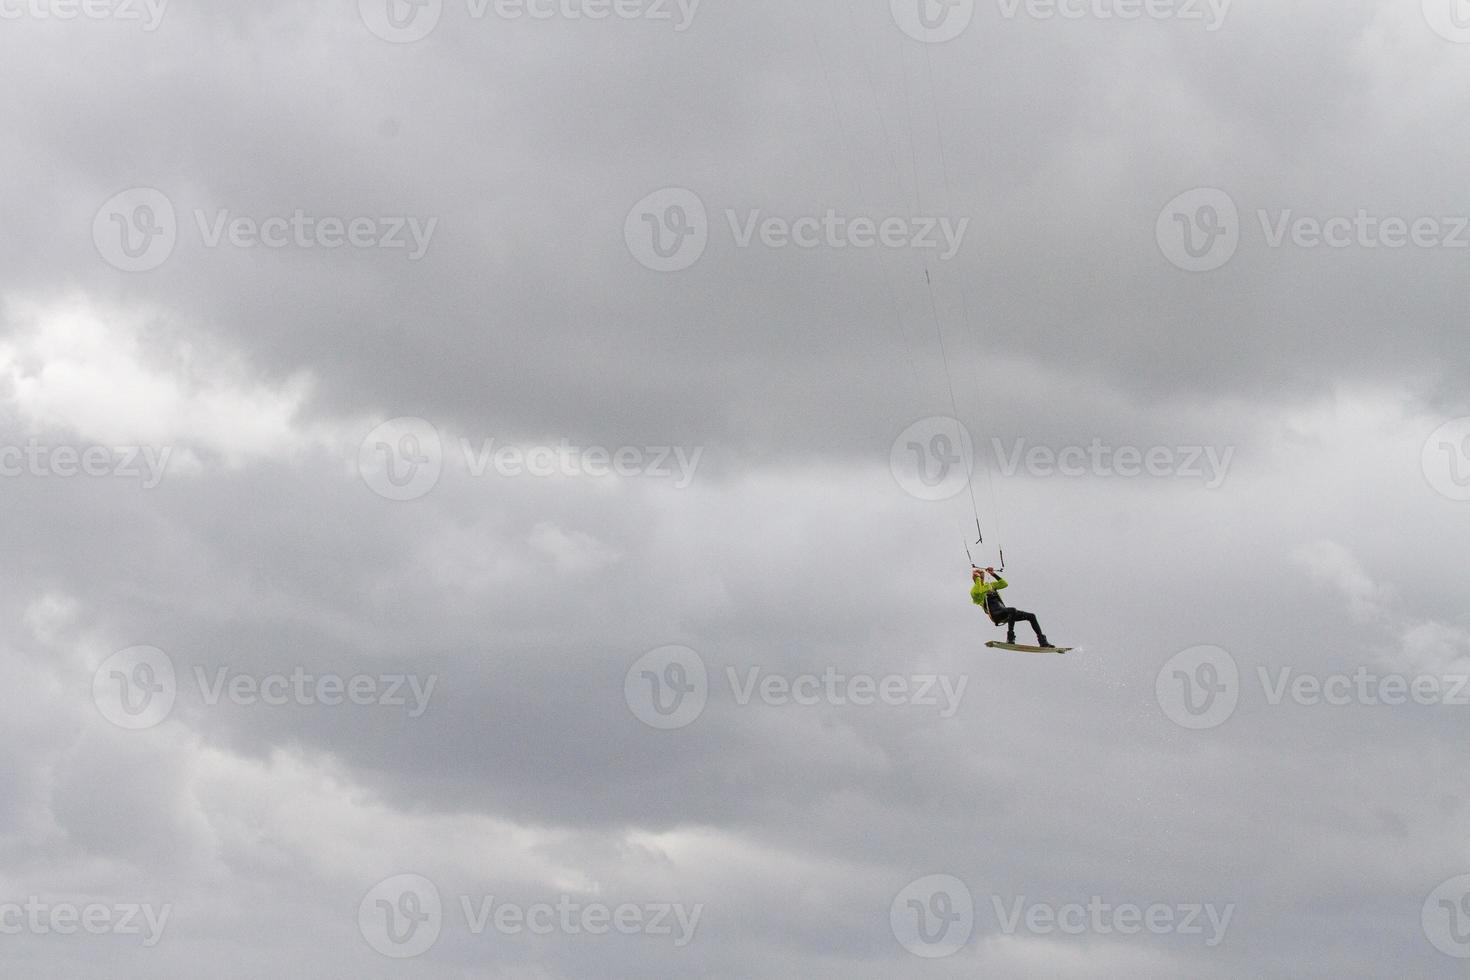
(1009, 617)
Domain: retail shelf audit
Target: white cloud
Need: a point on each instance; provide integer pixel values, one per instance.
(118, 378)
(571, 551)
(1329, 562)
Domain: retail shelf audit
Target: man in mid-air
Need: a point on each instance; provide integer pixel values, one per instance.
(987, 596)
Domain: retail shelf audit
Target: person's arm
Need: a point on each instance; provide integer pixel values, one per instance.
(1000, 583)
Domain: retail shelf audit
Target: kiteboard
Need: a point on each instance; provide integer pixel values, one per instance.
(1021, 648)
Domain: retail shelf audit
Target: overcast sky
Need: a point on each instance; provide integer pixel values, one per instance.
(488, 488)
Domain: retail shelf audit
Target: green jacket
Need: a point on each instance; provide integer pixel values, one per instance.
(981, 588)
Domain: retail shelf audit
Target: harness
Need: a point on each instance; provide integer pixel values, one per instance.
(995, 607)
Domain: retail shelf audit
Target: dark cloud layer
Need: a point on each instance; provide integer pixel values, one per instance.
(1326, 541)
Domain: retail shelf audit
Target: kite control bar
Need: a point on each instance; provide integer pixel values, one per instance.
(998, 570)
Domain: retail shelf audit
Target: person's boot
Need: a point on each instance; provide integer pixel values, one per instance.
(1043, 641)
(1011, 639)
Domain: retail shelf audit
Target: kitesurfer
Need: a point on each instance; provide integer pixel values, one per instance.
(987, 596)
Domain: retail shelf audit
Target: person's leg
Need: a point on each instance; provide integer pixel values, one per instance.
(1025, 617)
(1009, 620)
